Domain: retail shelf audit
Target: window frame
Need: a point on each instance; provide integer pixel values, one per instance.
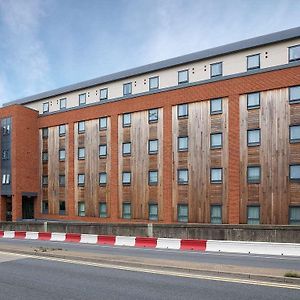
(45, 207)
(62, 183)
(289, 53)
(211, 177)
(127, 183)
(211, 68)
(44, 180)
(60, 133)
(297, 140)
(80, 103)
(106, 95)
(60, 103)
(221, 217)
(100, 147)
(256, 67)
(249, 107)
(259, 212)
(216, 146)
(78, 127)
(100, 175)
(149, 115)
(81, 175)
(124, 88)
(48, 107)
(185, 182)
(123, 119)
(79, 157)
(153, 152)
(80, 213)
(104, 215)
(45, 133)
(297, 100)
(62, 212)
(152, 217)
(123, 147)
(293, 222)
(253, 144)
(60, 151)
(178, 143)
(215, 112)
(186, 115)
(253, 181)
(293, 179)
(44, 157)
(128, 215)
(179, 82)
(156, 87)
(180, 216)
(150, 182)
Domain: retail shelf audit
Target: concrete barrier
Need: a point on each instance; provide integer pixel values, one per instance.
(164, 243)
(9, 235)
(125, 241)
(31, 235)
(58, 237)
(89, 239)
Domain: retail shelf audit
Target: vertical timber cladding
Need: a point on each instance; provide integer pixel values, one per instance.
(275, 192)
(139, 193)
(92, 193)
(199, 193)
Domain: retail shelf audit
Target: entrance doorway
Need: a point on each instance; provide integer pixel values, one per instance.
(27, 207)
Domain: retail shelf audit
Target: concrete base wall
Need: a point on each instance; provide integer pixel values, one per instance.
(258, 233)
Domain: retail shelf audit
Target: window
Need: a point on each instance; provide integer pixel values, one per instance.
(81, 153)
(45, 156)
(153, 83)
(294, 215)
(253, 137)
(103, 123)
(294, 94)
(102, 150)
(253, 174)
(253, 215)
(127, 120)
(216, 69)
(80, 179)
(45, 207)
(216, 175)
(44, 133)
(127, 89)
(63, 103)
(5, 154)
(216, 106)
(45, 180)
(126, 149)
(45, 107)
(182, 111)
(253, 100)
(152, 115)
(183, 76)
(102, 178)
(182, 176)
(81, 209)
(102, 210)
(216, 140)
(153, 212)
(153, 177)
(182, 213)
(62, 180)
(216, 214)
(182, 143)
(253, 62)
(294, 53)
(126, 178)
(82, 99)
(3, 178)
(153, 146)
(295, 133)
(81, 127)
(62, 207)
(6, 179)
(295, 172)
(62, 130)
(104, 94)
(62, 154)
(126, 211)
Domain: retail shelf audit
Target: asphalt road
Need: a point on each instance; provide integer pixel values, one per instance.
(30, 278)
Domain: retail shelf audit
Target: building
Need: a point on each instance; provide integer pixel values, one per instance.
(209, 137)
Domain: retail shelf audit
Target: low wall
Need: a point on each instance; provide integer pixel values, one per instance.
(258, 233)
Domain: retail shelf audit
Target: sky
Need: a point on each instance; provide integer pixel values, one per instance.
(46, 44)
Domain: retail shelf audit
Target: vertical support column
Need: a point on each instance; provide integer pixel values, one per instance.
(16, 207)
(71, 196)
(234, 160)
(167, 165)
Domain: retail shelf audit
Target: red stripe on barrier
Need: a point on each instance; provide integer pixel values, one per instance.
(73, 237)
(145, 242)
(44, 236)
(193, 245)
(20, 235)
(1, 233)
(106, 239)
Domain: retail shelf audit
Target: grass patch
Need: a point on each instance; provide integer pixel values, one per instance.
(292, 274)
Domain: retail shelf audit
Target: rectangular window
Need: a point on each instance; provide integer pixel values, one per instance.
(102, 151)
(126, 178)
(45, 107)
(102, 178)
(253, 174)
(216, 106)
(102, 210)
(5, 155)
(81, 153)
(253, 215)
(81, 209)
(294, 53)
(183, 143)
(153, 146)
(182, 213)
(62, 130)
(81, 179)
(62, 180)
(81, 127)
(295, 133)
(153, 177)
(45, 207)
(62, 207)
(216, 69)
(182, 176)
(103, 123)
(216, 175)
(126, 149)
(63, 103)
(253, 62)
(44, 133)
(126, 120)
(294, 94)
(82, 99)
(253, 137)
(127, 89)
(216, 214)
(153, 83)
(126, 211)
(253, 100)
(104, 94)
(62, 154)
(294, 215)
(183, 76)
(3, 178)
(153, 212)
(6, 179)
(153, 115)
(45, 156)
(216, 140)
(295, 172)
(182, 111)
(45, 180)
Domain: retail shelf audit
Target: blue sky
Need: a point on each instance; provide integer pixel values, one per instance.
(46, 44)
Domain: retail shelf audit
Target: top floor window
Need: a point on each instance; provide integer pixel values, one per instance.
(45, 107)
(63, 103)
(82, 99)
(153, 83)
(104, 94)
(45, 133)
(62, 130)
(81, 127)
(253, 62)
(126, 120)
(152, 115)
(216, 106)
(182, 111)
(253, 100)
(294, 94)
(5, 124)
(103, 123)
(216, 69)
(183, 76)
(127, 89)
(294, 53)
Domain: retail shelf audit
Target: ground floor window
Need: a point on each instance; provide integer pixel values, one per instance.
(182, 213)
(294, 215)
(216, 214)
(81, 209)
(153, 212)
(126, 212)
(253, 215)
